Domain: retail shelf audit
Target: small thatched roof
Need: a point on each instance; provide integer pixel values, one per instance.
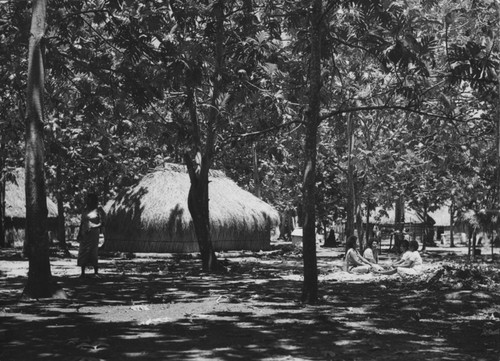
(156, 210)
(15, 197)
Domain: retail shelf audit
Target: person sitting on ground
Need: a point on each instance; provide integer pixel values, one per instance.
(354, 262)
(405, 253)
(371, 254)
(413, 264)
(371, 251)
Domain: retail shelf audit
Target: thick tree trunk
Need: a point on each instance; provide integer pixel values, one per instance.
(198, 204)
(198, 198)
(310, 285)
(497, 3)
(39, 282)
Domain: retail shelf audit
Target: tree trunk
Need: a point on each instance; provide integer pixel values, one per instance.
(310, 285)
(256, 179)
(452, 233)
(426, 230)
(497, 3)
(61, 228)
(469, 242)
(2, 196)
(350, 207)
(368, 231)
(399, 215)
(474, 243)
(198, 198)
(359, 221)
(39, 282)
(198, 204)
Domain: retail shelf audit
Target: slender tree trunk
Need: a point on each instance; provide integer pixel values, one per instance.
(474, 243)
(368, 233)
(39, 282)
(350, 208)
(452, 221)
(256, 179)
(399, 216)
(61, 228)
(310, 285)
(469, 241)
(2, 196)
(359, 220)
(426, 230)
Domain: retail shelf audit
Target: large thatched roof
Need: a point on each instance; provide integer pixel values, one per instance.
(15, 197)
(156, 210)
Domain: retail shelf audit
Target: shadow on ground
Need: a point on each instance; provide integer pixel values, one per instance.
(159, 309)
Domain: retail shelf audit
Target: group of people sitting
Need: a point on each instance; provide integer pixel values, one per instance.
(410, 262)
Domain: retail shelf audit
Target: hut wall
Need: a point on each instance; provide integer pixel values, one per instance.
(15, 231)
(149, 243)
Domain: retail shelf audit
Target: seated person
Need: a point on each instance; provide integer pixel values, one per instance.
(371, 254)
(354, 262)
(412, 265)
(405, 254)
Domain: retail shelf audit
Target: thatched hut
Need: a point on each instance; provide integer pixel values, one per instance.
(153, 216)
(15, 210)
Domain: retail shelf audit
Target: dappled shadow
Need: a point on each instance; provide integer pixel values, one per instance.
(168, 309)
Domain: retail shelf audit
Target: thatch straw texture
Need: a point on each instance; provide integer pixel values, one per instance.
(15, 197)
(153, 216)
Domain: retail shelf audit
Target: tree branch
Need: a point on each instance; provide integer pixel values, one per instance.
(380, 107)
(262, 132)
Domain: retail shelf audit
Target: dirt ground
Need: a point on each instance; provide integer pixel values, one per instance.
(161, 307)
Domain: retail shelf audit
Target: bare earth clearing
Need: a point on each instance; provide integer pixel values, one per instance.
(161, 307)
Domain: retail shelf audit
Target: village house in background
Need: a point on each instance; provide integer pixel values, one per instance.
(15, 211)
(153, 216)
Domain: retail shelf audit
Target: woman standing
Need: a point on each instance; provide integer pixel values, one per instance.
(88, 235)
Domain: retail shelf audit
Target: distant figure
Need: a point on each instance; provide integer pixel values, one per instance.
(330, 241)
(88, 236)
(413, 264)
(354, 262)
